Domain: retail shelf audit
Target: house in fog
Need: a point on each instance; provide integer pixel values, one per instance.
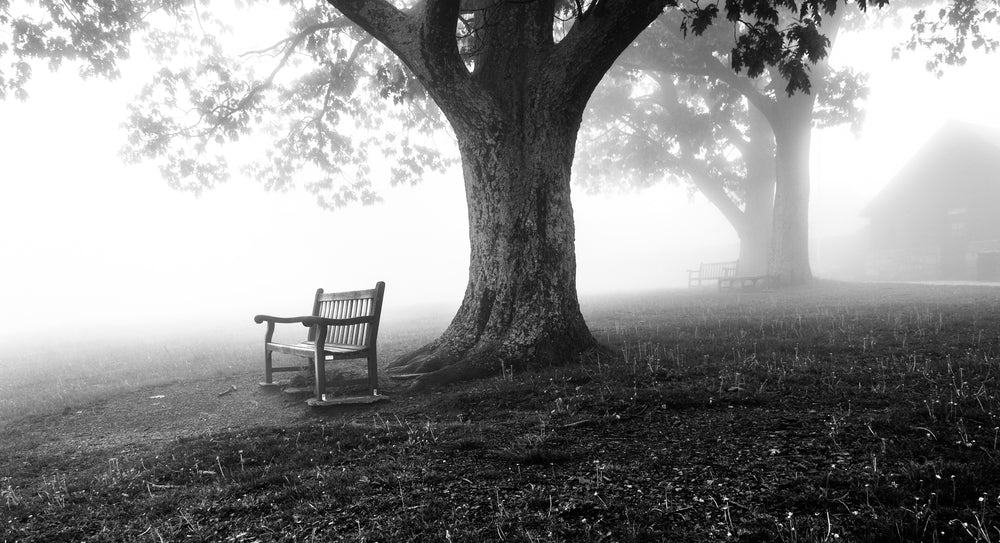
(939, 217)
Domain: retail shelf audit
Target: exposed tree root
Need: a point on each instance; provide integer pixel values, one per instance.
(440, 363)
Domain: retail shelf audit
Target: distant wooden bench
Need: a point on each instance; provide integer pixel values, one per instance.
(746, 282)
(343, 326)
(712, 271)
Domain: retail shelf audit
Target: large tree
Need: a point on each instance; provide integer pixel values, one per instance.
(512, 78)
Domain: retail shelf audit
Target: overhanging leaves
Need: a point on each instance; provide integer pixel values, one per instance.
(326, 96)
(959, 25)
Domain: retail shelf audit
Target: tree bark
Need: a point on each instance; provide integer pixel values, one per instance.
(520, 307)
(792, 125)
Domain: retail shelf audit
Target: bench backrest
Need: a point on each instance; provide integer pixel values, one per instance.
(347, 305)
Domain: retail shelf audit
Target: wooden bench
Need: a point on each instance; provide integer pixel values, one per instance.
(342, 326)
(712, 271)
(748, 281)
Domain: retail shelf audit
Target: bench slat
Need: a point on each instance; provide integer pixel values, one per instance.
(331, 309)
(347, 334)
(355, 336)
(347, 295)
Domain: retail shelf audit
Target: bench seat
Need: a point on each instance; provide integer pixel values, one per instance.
(307, 348)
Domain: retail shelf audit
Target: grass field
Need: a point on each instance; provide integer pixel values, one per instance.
(833, 413)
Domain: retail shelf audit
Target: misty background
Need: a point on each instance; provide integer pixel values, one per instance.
(91, 247)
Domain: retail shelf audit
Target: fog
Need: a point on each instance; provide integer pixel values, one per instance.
(91, 246)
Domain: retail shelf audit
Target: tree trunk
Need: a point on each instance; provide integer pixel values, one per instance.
(517, 144)
(520, 307)
(791, 122)
(789, 255)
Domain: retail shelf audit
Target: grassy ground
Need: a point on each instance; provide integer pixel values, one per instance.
(836, 413)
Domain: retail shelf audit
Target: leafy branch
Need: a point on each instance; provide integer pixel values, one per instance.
(958, 26)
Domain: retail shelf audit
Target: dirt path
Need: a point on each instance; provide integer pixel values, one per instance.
(155, 414)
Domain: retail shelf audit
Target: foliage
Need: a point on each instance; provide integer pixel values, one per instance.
(960, 24)
(95, 34)
(784, 35)
(330, 99)
(644, 127)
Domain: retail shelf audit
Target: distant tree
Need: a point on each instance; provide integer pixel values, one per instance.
(645, 127)
(715, 128)
(512, 79)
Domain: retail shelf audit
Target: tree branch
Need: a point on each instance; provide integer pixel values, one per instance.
(713, 189)
(593, 43)
(396, 29)
(299, 36)
(764, 103)
(424, 39)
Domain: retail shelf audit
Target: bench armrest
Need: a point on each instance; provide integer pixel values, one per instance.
(312, 321)
(270, 319)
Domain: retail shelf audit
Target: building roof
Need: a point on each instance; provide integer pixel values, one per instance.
(959, 165)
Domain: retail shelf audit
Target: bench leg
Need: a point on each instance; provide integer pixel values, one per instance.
(320, 365)
(373, 374)
(319, 362)
(268, 366)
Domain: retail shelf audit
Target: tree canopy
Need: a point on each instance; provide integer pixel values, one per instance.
(314, 85)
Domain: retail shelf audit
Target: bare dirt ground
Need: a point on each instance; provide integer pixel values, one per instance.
(157, 414)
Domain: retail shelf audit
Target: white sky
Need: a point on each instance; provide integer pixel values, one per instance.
(88, 243)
